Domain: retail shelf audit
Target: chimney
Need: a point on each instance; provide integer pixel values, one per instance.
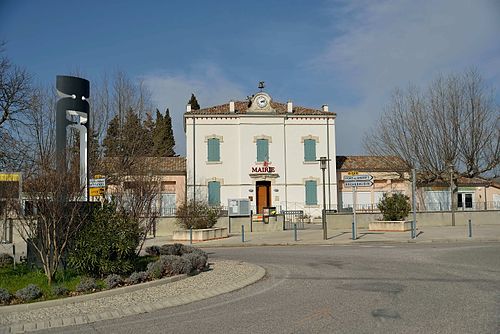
(231, 106)
(188, 108)
(325, 107)
(289, 106)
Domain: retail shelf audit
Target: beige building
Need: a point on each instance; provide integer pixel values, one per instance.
(390, 175)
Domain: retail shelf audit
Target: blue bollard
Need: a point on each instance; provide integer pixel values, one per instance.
(470, 229)
(242, 233)
(295, 231)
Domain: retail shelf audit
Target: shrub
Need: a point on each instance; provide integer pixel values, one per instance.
(5, 296)
(174, 249)
(197, 215)
(87, 284)
(107, 244)
(5, 260)
(152, 250)
(169, 265)
(395, 207)
(198, 260)
(29, 293)
(60, 290)
(155, 269)
(112, 281)
(137, 277)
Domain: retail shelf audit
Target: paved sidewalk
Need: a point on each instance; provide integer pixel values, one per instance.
(313, 235)
(225, 276)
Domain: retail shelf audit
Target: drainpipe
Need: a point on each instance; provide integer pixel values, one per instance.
(284, 149)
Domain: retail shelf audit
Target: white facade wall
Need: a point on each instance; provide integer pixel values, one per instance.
(238, 154)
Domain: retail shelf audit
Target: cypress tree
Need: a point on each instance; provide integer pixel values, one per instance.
(149, 127)
(170, 133)
(163, 136)
(194, 102)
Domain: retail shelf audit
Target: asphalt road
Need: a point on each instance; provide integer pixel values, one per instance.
(410, 288)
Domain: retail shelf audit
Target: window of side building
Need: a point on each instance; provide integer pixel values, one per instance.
(214, 193)
(311, 192)
(309, 150)
(213, 149)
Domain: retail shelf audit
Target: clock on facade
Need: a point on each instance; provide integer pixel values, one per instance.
(261, 101)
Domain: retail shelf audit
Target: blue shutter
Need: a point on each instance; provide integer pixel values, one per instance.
(262, 150)
(309, 150)
(213, 149)
(311, 193)
(213, 193)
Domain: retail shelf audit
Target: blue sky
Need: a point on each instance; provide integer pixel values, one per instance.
(347, 54)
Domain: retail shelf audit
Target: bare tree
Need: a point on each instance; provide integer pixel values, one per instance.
(57, 216)
(136, 190)
(15, 90)
(455, 122)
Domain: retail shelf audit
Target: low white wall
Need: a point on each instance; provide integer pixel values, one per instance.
(442, 218)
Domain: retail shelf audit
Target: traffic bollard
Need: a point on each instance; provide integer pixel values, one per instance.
(470, 229)
(242, 233)
(295, 231)
(353, 232)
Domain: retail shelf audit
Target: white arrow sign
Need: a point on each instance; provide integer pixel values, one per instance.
(360, 177)
(358, 183)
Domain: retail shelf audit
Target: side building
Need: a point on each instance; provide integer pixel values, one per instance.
(261, 150)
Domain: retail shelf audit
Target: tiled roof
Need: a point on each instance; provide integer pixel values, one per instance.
(155, 165)
(241, 107)
(167, 165)
(371, 163)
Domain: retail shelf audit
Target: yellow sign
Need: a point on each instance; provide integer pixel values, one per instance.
(96, 191)
(352, 173)
(9, 177)
(99, 176)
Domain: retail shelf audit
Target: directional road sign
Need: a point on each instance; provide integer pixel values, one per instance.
(358, 183)
(360, 177)
(97, 183)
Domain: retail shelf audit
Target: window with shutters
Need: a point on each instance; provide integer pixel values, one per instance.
(214, 193)
(311, 192)
(309, 150)
(213, 149)
(262, 150)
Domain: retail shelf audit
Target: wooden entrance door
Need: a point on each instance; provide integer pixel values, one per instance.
(263, 195)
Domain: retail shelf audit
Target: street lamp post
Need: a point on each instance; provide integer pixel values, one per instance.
(452, 197)
(322, 165)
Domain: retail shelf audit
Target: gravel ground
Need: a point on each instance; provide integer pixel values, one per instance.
(220, 274)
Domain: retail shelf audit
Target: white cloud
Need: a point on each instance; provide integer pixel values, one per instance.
(380, 45)
(173, 91)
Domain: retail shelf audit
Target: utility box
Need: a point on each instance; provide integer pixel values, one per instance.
(238, 207)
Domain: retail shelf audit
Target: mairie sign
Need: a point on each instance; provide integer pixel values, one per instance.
(360, 177)
(358, 183)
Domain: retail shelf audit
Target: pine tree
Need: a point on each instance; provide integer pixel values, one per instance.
(194, 102)
(133, 135)
(112, 141)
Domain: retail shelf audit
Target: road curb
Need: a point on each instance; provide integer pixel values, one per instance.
(257, 274)
(350, 242)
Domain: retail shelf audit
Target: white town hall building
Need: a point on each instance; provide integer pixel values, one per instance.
(261, 150)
